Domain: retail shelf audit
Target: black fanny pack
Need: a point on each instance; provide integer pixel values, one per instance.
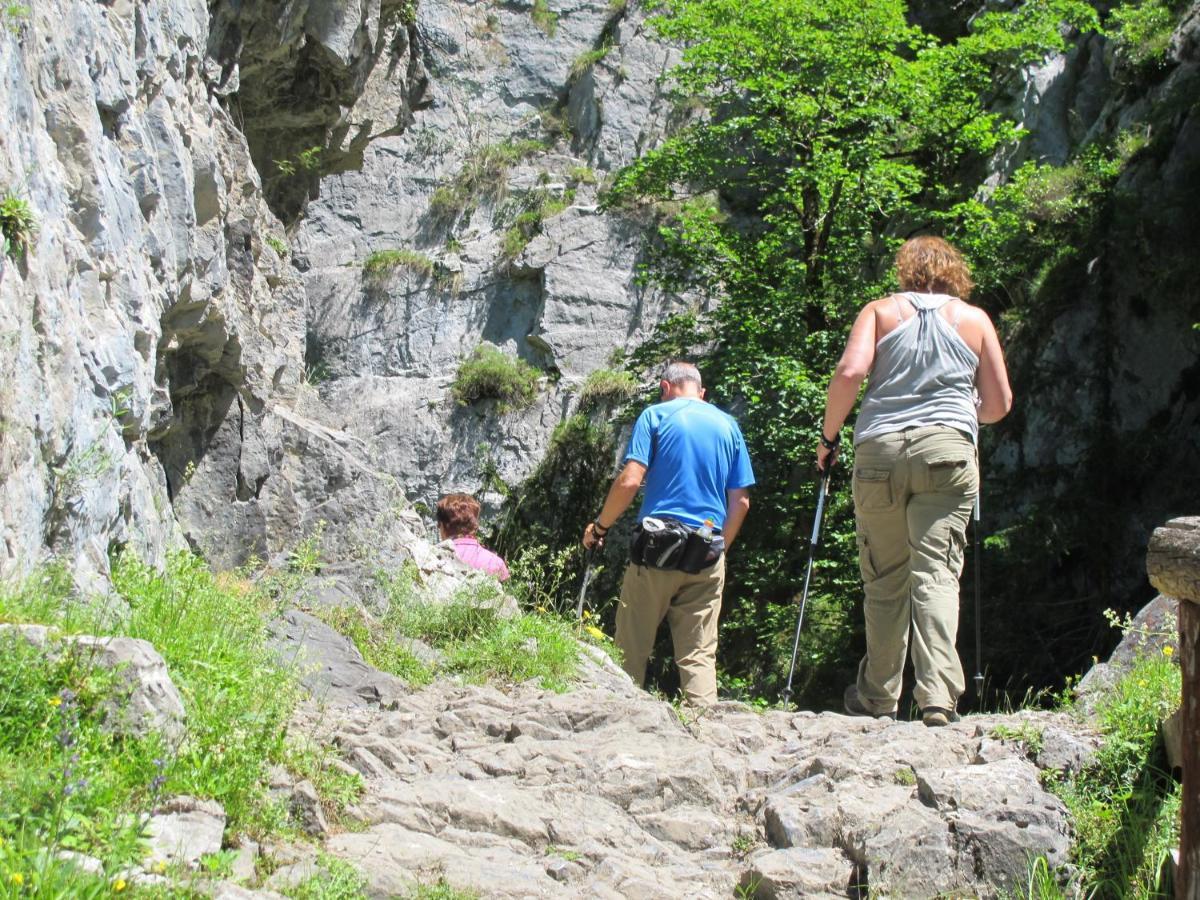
(670, 544)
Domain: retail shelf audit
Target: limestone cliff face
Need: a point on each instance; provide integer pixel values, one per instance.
(158, 332)
(148, 317)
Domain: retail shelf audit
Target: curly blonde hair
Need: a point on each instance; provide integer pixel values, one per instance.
(931, 265)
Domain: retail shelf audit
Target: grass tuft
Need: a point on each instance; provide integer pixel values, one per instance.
(607, 387)
(383, 262)
(489, 373)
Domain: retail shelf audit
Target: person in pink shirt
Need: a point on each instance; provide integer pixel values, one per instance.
(458, 520)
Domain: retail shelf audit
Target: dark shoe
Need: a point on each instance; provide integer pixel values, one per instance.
(854, 706)
(936, 717)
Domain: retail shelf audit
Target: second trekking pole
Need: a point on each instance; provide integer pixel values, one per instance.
(978, 624)
(822, 493)
(589, 561)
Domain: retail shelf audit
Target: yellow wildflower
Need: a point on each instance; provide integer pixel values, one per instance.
(119, 885)
(160, 867)
(1168, 650)
(594, 632)
(55, 701)
(17, 878)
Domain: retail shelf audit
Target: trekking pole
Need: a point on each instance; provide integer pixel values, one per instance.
(822, 493)
(978, 624)
(587, 577)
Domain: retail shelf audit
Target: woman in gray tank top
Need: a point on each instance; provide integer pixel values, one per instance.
(934, 372)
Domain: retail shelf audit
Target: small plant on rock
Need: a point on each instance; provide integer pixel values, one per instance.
(17, 224)
(544, 18)
(382, 262)
(490, 374)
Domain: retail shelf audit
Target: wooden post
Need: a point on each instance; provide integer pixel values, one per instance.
(1173, 562)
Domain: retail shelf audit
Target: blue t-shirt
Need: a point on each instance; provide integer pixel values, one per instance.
(698, 456)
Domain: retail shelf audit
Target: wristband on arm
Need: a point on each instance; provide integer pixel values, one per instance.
(831, 445)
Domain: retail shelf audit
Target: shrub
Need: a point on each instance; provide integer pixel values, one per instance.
(381, 262)
(488, 373)
(278, 245)
(1142, 32)
(17, 224)
(607, 387)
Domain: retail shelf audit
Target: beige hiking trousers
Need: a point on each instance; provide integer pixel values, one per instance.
(913, 493)
(691, 605)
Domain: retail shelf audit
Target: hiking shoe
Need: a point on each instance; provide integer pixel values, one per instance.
(854, 705)
(936, 716)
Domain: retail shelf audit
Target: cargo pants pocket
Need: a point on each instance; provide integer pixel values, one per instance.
(872, 489)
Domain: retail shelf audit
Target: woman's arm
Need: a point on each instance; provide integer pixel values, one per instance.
(853, 367)
(995, 395)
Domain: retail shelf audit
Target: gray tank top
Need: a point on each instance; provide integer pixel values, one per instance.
(923, 374)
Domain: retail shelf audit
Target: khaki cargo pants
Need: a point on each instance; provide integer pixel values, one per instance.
(913, 494)
(691, 605)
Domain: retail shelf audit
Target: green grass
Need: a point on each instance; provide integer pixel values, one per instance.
(483, 176)
(607, 387)
(440, 890)
(18, 224)
(587, 59)
(335, 879)
(489, 373)
(536, 208)
(278, 245)
(383, 262)
(544, 18)
(68, 783)
(479, 643)
(1124, 807)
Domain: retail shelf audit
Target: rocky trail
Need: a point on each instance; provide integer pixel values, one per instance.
(607, 791)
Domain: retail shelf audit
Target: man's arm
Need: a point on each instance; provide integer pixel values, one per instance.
(620, 495)
(737, 504)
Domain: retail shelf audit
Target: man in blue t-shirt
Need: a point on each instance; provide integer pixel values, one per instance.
(696, 469)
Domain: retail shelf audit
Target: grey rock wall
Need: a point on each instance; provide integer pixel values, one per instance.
(148, 313)
(158, 332)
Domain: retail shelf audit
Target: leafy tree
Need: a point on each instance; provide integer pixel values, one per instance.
(831, 129)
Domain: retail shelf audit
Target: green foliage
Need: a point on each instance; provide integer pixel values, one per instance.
(335, 879)
(278, 245)
(483, 176)
(544, 18)
(607, 387)
(491, 374)
(827, 122)
(1141, 32)
(1124, 807)
(480, 642)
(12, 15)
(380, 263)
(17, 225)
